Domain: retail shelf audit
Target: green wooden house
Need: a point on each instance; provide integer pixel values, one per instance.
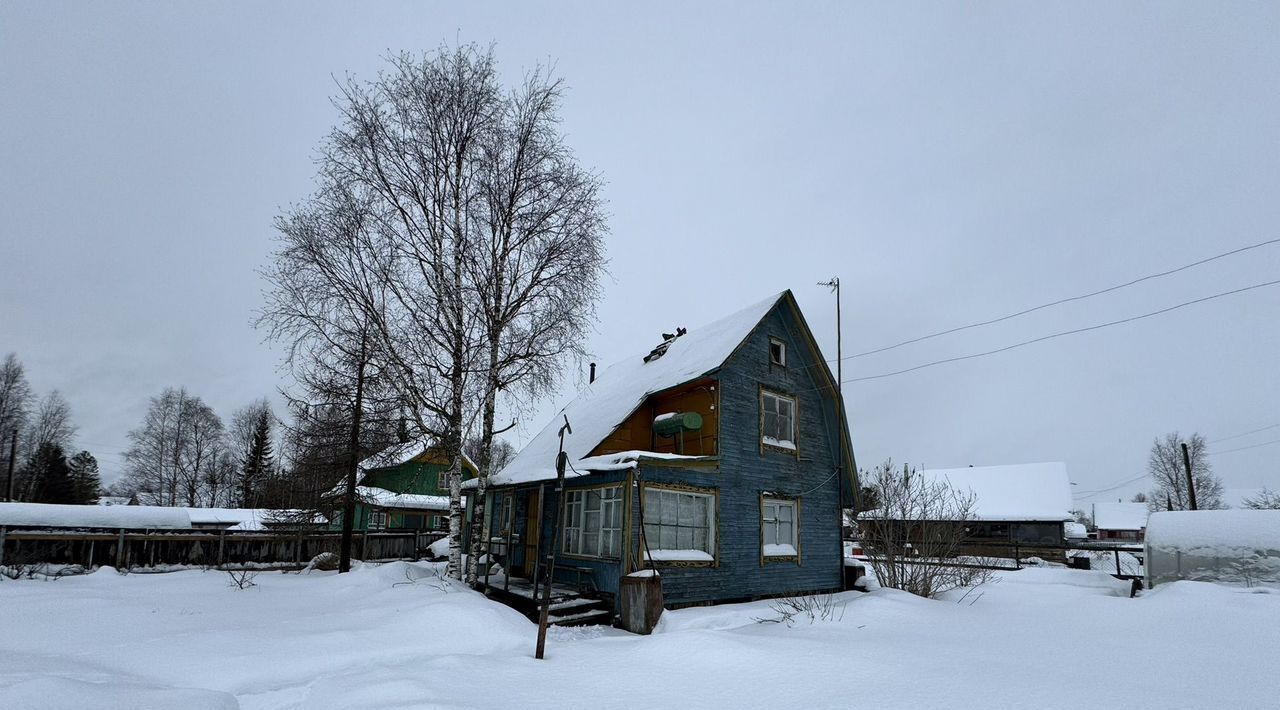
(404, 487)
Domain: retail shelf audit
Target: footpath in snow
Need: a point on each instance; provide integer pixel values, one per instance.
(397, 636)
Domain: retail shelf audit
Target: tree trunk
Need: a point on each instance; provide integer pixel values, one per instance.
(486, 457)
(349, 502)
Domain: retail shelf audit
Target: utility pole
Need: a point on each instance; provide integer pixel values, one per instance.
(834, 284)
(13, 452)
(561, 460)
(1191, 483)
(349, 504)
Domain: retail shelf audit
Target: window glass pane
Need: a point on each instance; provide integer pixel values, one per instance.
(702, 510)
(667, 538)
(771, 425)
(785, 534)
(684, 538)
(669, 508)
(770, 532)
(700, 540)
(688, 504)
(593, 499)
(786, 512)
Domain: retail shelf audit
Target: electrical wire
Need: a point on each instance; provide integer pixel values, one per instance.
(1062, 300)
(1062, 333)
(1243, 448)
(1237, 436)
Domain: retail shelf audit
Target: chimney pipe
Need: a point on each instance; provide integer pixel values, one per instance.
(593, 373)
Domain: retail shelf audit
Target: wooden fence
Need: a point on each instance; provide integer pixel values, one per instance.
(130, 549)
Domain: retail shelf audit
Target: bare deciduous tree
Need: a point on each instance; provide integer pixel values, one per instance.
(178, 452)
(539, 256)
(917, 532)
(15, 405)
(1169, 474)
(1266, 499)
(50, 426)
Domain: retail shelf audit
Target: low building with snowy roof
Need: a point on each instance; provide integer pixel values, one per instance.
(1120, 521)
(403, 487)
(716, 457)
(1234, 547)
(1018, 510)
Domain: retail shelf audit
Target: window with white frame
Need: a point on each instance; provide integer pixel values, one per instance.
(593, 522)
(778, 422)
(378, 520)
(777, 352)
(442, 480)
(778, 527)
(679, 525)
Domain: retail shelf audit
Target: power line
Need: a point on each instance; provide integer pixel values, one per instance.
(1064, 300)
(1237, 436)
(1122, 484)
(1242, 448)
(1063, 333)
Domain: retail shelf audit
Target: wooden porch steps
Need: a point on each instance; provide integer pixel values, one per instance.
(569, 606)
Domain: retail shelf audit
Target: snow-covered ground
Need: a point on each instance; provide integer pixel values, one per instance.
(395, 636)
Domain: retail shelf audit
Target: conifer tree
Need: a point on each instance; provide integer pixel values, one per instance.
(258, 461)
(49, 466)
(86, 484)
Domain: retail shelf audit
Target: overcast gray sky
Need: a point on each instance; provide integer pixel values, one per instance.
(950, 163)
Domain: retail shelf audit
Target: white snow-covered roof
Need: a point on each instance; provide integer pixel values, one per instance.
(619, 389)
(93, 516)
(1215, 532)
(1120, 516)
(397, 454)
(1027, 491)
(142, 516)
(384, 498)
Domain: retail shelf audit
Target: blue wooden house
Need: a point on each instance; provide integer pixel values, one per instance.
(717, 458)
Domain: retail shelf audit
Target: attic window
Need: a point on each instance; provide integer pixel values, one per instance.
(777, 352)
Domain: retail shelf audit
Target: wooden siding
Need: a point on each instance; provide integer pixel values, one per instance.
(744, 473)
(636, 433)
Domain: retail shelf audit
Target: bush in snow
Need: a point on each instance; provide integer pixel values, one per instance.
(820, 607)
(916, 534)
(242, 579)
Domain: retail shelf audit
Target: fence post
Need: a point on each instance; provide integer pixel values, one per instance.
(1117, 551)
(3, 534)
(297, 549)
(364, 545)
(90, 565)
(222, 546)
(120, 550)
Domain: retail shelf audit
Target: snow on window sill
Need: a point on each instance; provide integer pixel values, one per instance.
(779, 443)
(679, 556)
(779, 551)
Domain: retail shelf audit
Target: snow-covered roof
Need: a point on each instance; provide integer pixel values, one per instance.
(1215, 532)
(143, 516)
(397, 454)
(1120, 516)
(384, 498)
(604, 404)
(93, 516)
(1027, 491)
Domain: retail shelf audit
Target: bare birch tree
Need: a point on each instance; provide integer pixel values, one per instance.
(15, 405)
(539, 256)
(49, 425)
(1169, 474)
